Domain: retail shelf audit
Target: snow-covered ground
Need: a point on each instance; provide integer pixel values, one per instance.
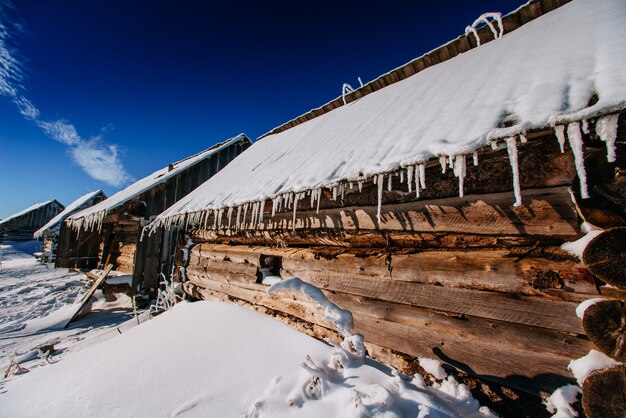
(36, 301)
(198, 359)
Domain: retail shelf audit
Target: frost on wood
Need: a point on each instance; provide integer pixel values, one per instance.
(577, 247)
(576, 142)
(487, 19)
(168, 296)
(582, 306)
(606, 128)
(340, 317)
(594, 360)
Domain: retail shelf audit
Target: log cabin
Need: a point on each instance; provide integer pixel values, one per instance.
(432, 202)
(49, 233)
(21, 225)
(110, 232)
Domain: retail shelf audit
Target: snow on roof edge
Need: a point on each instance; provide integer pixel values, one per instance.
(95, 214)
(28, 209)
(609, 105)
(71, 208)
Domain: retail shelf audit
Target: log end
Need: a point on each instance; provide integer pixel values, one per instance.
(604, 393)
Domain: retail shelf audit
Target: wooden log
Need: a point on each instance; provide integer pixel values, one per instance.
(548, 212)
(605, 325)
(369, 239)
(520, 336)
(605, 257)
(502, 270)
(604, 393)
(548, 370)
(556, 315)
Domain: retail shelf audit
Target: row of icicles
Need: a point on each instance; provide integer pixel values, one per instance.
(414, 175)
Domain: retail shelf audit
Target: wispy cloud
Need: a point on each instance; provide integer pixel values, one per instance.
(97, 159)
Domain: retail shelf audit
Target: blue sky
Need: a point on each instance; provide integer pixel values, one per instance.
(94, 94)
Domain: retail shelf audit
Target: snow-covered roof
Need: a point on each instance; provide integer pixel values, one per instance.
(97, 212)
(71, 208)
(25, 211)
(541, 74)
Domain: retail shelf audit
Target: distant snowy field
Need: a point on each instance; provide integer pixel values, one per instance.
(199, 359)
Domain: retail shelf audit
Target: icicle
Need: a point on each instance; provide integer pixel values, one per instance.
(360, 186)
(523, 139)
(261, 207)
(253, 215)
(409, 175)
(494, 144)
(459, 171)
(559, 131)
(219, 222)
(350, 185)
(245, 213)
(606, 128)
(475, 158)
(511, 147)
(238, 220)
(584, 126)
(422, 175)
(343, 189)
(273, 207)
(401, 176)
(295, 208)
(576, 143)
(230, 215)
(334, 192)
(451, 161)
(442, 161)
(417, 186)
(319, 197)
(379, 181)
(215, 219)
(313, 200)
(389, 182)
(375, 179)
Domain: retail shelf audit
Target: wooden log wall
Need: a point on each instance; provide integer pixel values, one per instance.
(484, 312)
(480, 284)
(23, 227)
(122, 245)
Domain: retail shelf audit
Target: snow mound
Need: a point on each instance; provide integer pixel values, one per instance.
(216, 359)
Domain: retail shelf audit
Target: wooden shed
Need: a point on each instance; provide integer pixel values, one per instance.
(111, 231)
(21, 225)
(56, 231)
(432, 202)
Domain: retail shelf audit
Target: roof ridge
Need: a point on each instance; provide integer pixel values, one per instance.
(463, 43)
